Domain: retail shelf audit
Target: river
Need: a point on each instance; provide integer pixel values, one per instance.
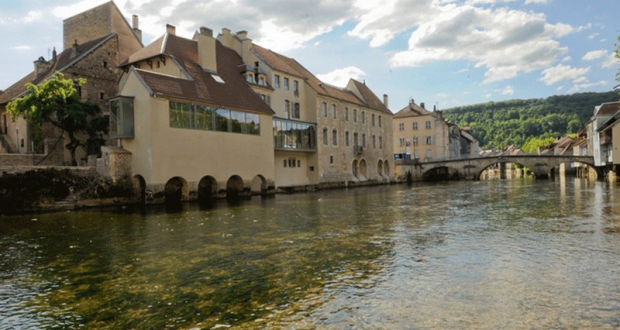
(500, 254)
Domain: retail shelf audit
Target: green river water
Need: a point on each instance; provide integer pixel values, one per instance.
(500, 254)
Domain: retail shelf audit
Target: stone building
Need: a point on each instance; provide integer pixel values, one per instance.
(95, 43)
(323, 135)
(193, 126)
(423, 135)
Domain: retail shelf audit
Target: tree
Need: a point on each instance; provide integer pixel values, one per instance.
(56, 101)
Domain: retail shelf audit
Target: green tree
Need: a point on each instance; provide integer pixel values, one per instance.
(56, 101)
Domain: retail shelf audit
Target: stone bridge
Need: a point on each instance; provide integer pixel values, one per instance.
(472, 168)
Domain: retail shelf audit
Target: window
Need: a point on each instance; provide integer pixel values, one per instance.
(105, 64)
(334, 114)
(428, 140)
(415, 140)
(355, 115)
(363, 117)
(287, 109)
(331, 159)
(401, 142)
(325, 136)
(428, 124)
(380, 143)
(296, 112)
(415, 126)
(286, 87)
(276, 81)
(299, 163)
(374, 142)
(428, 154)
(261, 80)
(379, 121)
(193, 116)
(346, 113)
(288, 134)
(296, 87)
(291, 162)
(250, 78)
(285, 162)
(335, 137)
(373, 119)
(401, 126)
(102, 95)
(364, 140)
(355, 143)
(346, 138)
(324, 109)
(180, 115)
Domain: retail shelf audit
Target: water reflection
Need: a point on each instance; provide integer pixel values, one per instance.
(489, 254)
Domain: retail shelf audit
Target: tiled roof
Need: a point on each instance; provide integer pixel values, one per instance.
(152, 50)
(203, 88)
(608, 109)
(62, 63)
(371, 99)
(412, 110)
(291, 66)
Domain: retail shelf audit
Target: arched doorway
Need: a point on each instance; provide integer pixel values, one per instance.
(207, 188)
(259, 185)
(176, 190)
(380, 168)
(363, 170)
(354, 169)
(234, 187)
(139, 188)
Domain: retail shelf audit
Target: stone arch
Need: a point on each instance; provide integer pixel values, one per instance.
(587, 170)
(355, 169)
(486, 166)
(380, 168)
(176, 190)
(363, 171)
(441, 173)
(207, 188)
(139, 188)
(259, 185)
(234, 186)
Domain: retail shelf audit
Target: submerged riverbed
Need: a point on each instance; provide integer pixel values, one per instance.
(461, 255)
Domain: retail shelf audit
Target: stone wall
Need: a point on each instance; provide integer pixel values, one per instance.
(115, 163)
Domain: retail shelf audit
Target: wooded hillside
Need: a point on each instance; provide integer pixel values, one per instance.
(515, 121)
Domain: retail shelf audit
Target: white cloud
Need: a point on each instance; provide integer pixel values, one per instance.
(584, 83)
(488, 95)
(23, 48)
(566, 59)
(592, 36)
(441, 95)
(508, 91)
(539, 2)
(32, 16)
(595, 54)
(505, 42)
(610, 60)
(562, 72)
(340, 77)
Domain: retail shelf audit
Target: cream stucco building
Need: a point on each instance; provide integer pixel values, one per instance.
(423, 135)
(323, 135)
(190, 121)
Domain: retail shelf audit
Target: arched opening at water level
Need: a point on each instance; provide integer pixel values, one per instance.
(176, 190)
(259, 185)
(504, 170)
(234, 187)
(139, 188)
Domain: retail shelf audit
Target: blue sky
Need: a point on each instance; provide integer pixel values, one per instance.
(442, 52)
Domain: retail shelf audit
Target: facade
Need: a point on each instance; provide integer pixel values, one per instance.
(601, 143)
(96, 42)
(424, 135)
(323, 135)
(190, 121)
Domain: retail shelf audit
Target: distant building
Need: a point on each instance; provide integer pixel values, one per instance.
(600, 142)
(424, 135)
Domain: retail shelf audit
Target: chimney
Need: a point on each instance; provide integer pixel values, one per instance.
(207, 56)
(74, 50)
(54, 55)
(422, 105)
(40, 66)
(439, 115)
(246, 45)
(170, 29)
(135, 27)
(385, 100)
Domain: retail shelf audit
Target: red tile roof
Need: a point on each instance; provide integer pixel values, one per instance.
(203, 88)
(291, 66)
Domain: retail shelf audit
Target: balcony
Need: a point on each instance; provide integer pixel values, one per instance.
(290, 135)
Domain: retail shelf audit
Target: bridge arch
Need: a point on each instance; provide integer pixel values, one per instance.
(441, 172)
